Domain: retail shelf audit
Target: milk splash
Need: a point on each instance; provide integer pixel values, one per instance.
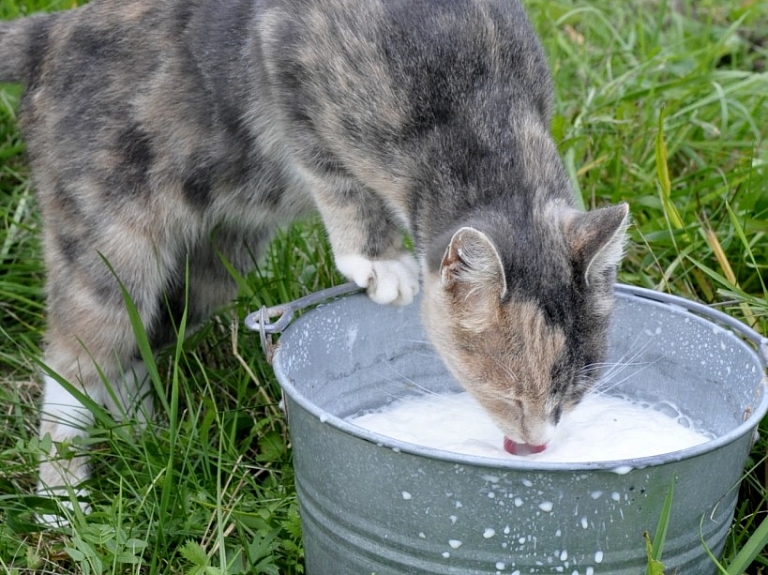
(600, 428)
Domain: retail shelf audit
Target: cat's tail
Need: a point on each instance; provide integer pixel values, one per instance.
(22, 45)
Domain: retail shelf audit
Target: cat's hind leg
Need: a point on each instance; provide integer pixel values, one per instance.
(64, 419)
(90, 342)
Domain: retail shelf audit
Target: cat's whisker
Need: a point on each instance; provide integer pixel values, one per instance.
(623, 363)
(402, 378)
(449, 398)
(600, 389)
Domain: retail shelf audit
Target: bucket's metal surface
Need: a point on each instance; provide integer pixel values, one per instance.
(370, 504)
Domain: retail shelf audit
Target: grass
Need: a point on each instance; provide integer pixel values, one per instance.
(663, 104)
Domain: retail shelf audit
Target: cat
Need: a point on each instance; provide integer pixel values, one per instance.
(164, 135)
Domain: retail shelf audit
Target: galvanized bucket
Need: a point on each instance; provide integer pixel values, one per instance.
(373, 505)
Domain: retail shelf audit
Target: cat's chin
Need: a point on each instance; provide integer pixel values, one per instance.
(522, 449)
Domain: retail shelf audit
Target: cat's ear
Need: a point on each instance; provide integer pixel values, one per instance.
(471, 266)
(596, 238)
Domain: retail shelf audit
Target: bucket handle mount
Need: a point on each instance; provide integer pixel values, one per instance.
(261, 321)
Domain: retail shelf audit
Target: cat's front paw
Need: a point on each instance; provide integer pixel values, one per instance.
(393, 281)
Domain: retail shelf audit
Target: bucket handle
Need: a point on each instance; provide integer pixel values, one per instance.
(261, 321)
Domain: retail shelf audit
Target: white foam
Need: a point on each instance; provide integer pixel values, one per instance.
(600, 428)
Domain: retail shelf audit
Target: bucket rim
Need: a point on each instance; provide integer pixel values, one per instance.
(759, 350)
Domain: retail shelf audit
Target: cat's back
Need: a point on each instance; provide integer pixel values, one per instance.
(402, 80)
(102, 32)
(447, 49)
(121, 45)
(129, 84)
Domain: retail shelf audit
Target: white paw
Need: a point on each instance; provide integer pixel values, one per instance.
(388, 281)
(66, 507)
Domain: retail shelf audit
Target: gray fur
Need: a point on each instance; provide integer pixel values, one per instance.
(161, 132)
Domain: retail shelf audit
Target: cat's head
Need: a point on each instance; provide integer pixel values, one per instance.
(520, 316)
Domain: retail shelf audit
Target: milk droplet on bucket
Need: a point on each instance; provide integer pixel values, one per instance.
(407, 495)
(564, 555)
(500, 565)
(489, 532)
(584, 522)
(599, 557)
(454, 543)
(615, 496)
(446, 554)
(546, 506)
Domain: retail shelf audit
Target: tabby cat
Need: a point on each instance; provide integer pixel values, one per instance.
(165, 135)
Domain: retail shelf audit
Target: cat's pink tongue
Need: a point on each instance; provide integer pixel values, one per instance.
(521, 448)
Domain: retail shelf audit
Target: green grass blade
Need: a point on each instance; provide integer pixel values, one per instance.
(755, 545)
(660, 536)
(140, 333)
(663, 179)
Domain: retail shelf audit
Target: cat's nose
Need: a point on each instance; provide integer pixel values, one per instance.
(540, 435)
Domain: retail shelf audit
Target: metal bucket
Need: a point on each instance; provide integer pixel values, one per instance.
(373, 505)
